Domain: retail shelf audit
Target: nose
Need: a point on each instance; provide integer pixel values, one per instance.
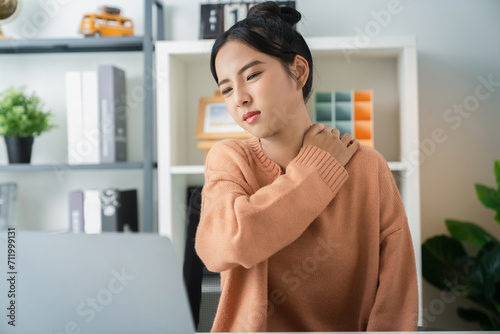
(243, 98)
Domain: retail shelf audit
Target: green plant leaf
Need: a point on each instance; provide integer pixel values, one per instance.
(490, 260)
(488, 196)
(438, 253)
(497, 173)
(22, 115)
(468, 232)
(477, 316)
(497, 216)
(462, 277)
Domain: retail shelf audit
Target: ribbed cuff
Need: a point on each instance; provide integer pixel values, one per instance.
(328, 168)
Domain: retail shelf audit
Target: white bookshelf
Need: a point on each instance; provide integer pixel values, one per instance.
(388, 66)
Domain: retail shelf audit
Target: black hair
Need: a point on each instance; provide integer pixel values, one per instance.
(270, 29)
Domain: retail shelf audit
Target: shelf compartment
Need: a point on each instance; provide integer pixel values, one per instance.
(323, 112)
(343, 111)
(363, 130)
(363, 111)
(363, 95)
(344, 127)
(343, 96)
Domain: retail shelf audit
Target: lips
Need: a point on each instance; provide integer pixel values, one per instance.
(251, 116)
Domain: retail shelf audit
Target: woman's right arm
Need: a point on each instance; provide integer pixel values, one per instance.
(241, 226)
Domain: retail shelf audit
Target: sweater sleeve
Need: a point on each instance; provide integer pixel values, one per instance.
(240, 225)
(396, 301)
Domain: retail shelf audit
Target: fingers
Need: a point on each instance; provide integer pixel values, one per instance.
(354, 146)
(346, 138)
(316, 128)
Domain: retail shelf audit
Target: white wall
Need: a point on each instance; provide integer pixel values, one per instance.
(457, 43)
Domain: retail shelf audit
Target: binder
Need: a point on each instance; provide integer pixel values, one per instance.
(90, 146)
(92, 211)
(112, 113)
(74, 115)
(127, 212)
(76, 216)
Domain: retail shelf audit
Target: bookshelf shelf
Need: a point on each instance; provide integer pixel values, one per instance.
(14, 168)
(58, 45)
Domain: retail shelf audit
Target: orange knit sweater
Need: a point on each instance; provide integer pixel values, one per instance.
(317, 248)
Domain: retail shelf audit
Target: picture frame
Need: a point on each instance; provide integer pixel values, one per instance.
(215, 121)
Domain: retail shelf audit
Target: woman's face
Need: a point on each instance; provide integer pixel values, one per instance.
(259, 94)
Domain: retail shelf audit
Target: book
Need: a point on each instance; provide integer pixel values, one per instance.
(119, 210)
(82, 106)
(92, 211)
(8, 195)
(112, 113)
(74, 115)
(76, 216)
(128, 220)
(90, 147)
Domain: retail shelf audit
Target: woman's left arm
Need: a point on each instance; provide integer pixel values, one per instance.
(396, 302)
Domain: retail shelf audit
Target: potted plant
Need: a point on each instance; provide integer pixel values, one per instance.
(21, 119)
(447, 265)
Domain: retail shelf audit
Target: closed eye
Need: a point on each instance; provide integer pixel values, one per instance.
(225, 91)
(253, 75)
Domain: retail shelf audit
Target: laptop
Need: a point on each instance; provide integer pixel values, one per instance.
(54, 283)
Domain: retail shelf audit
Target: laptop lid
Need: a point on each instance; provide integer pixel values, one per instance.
(91, 283)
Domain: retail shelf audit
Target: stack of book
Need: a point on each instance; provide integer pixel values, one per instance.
(103, 210)
(96, 116)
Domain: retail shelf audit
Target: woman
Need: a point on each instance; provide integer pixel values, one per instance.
(307, 228)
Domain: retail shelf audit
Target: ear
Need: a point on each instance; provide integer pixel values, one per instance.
(300, 69)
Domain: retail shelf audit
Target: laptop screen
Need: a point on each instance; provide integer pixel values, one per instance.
(91, 283)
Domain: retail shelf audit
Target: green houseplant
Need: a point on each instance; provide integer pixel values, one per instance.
(447, 265)
(21, 119)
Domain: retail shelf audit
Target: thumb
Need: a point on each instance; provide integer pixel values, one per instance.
(315, 129)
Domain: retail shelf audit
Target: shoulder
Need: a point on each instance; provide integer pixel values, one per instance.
(229, 155)
(368, 157)
(229, 148)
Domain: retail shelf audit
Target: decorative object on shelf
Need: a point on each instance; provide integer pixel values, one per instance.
(447, 266)
(217, 18)
(106, 22)
(215, 122)
(9, 9)
(103, 210)
(349, 111)
(96, 116)
(21, 119)
(8, 194)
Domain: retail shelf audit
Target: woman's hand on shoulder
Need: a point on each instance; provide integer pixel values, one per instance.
(329, 140)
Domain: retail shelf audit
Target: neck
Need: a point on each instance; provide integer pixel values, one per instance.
(284, 146)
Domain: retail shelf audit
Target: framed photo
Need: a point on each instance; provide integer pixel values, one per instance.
(215, 121)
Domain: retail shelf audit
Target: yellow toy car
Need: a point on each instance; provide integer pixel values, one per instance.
(106, 23)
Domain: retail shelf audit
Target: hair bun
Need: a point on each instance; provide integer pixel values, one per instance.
(290, 15)
(272, 10)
